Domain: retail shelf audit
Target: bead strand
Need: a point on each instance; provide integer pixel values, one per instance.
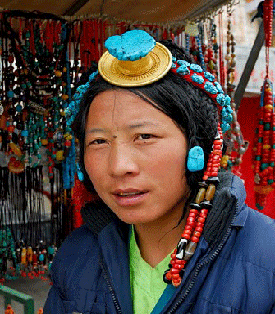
(264, 150)
(197, 216)
(268, 19)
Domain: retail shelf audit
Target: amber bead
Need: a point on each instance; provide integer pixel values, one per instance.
(65, 97)
(58, 73)
(210, 192)
(200, 196)
(190, 250)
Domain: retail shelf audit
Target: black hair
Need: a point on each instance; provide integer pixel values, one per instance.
(190, 108)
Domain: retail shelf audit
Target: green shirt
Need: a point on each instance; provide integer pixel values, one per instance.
(147, 284)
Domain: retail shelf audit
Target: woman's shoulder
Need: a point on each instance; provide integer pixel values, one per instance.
(77, 241)
(256, 239)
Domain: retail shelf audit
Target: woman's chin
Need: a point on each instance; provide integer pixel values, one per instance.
(135, 218)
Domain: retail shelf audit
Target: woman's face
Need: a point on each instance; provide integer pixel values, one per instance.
(135, 158)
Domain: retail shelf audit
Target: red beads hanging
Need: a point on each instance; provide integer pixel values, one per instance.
(264, 142)
(268, 19)
(264, 148)
(197, 216)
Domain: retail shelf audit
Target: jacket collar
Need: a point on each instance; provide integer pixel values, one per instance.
(98, 215)
(238, 190)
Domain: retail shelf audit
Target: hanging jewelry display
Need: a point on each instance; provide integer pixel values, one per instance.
(213, 53)
(236, 145)
(192, 34)
(264, 141)
(221, 74)
(209, 51)
(34, 93)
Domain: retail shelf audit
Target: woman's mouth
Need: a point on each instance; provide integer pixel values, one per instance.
(129, 197)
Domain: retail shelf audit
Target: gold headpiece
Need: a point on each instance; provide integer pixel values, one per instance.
(133, 60)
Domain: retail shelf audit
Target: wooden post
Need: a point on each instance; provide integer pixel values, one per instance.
(249, 66)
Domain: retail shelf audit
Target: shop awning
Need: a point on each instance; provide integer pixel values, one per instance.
(146, 11)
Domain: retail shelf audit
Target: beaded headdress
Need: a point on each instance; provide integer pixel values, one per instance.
(135, 59)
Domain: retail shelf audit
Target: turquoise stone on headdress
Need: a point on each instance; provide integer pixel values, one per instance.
(73, 107)
(194, 74)
(195, 159)
(131, 45)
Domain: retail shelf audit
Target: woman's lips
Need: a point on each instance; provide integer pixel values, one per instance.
(129, 198)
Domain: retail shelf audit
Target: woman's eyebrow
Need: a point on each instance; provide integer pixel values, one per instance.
(96, 130)
(142, 124)
(130, 126)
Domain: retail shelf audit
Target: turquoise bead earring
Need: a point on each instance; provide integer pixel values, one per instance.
(195, 159)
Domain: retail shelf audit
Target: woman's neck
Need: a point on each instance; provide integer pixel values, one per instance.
(157, 240)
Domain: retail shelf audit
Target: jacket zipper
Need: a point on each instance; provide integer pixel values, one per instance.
(110, 287)
(200, 265)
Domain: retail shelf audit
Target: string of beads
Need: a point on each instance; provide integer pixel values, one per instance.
(197, 216)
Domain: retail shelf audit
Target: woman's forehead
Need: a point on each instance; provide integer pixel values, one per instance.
(125, 108)
(121, 102)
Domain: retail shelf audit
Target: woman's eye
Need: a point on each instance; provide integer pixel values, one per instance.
(145, 136)
(97, 142)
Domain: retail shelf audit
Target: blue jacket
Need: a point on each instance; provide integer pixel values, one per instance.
(232, 270)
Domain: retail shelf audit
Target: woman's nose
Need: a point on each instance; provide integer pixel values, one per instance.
(122, 160)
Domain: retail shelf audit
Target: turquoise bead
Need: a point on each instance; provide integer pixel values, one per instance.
(195, 160)
(18, 108)
(10, 94)
(24, 133)
(267, 126)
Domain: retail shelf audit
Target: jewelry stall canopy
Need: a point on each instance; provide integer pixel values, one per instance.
(150, 11)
